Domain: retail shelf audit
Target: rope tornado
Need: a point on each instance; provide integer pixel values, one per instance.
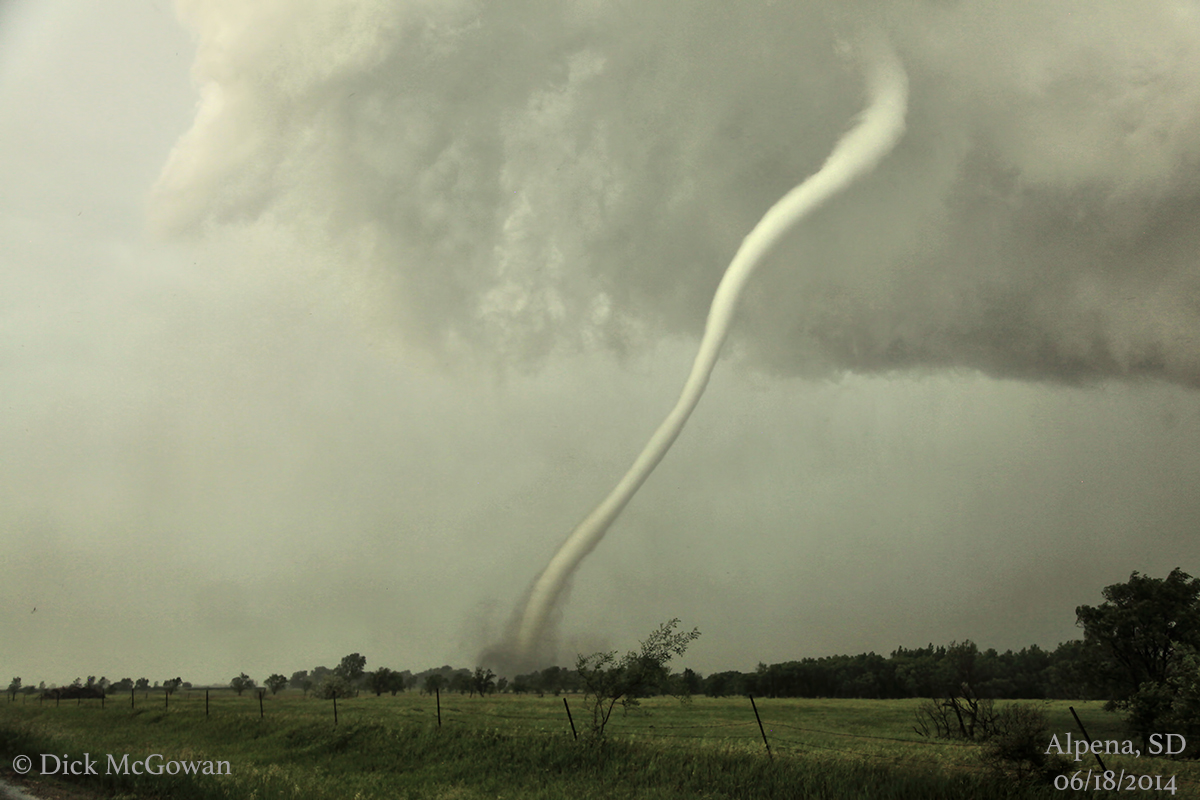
(880, 126)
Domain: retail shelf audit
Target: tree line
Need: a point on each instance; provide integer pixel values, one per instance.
(1031, 673)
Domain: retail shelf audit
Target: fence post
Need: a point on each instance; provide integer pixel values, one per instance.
(206, 703)
(335, 710)
(438, 695)
(573, 733)
(760, 727)
(260, 707)
(132, 697)
(1089, 739)
(166, 698)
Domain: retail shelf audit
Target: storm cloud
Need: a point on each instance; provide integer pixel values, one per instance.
(536, 176)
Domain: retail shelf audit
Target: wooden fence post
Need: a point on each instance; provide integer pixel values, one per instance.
(260, 706)
(573, 733)
(1089, 739)
(335, 710)
(760, 727)
(206, 703)
(437, 694)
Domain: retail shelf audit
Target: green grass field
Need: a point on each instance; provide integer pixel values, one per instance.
(522, 747)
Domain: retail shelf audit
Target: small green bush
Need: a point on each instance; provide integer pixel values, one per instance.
(1016, 747)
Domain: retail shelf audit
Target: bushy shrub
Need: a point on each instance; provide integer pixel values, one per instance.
(1170, 706)
(1016, 745)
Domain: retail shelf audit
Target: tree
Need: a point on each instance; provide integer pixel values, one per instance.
(958, 710)
(959, 713)
(142, 683)
(1135, 636)
(241, 683)
(172, 685)
(301, 680)
(1067, 675)
(276, 682)
(607, 681)
(351, 668)
(915, 670)
(333, 686)
(434, 683)
(460, 682)
(551, 679)
(1141, 645)
(1172, 706)
(721, 684)
(483, 681)
(381, 680)
(14, 686)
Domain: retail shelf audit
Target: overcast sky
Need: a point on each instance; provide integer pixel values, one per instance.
(322, 323)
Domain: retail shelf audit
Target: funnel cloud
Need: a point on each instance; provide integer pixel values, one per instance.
(856, 153)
